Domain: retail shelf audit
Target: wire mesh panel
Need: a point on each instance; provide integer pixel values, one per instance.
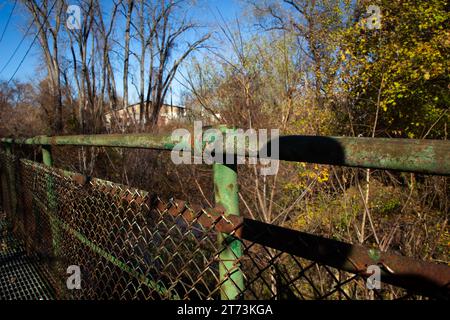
(280, 263)
(127, 243)
(274, 274)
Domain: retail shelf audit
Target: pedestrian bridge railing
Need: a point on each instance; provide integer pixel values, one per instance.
(131, 244)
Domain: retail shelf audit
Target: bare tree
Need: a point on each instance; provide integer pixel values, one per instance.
(165, 32)
(108, 80)
(78, 39)
(47, 17)
(128, 10)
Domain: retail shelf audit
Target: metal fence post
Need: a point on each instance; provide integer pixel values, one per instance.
(12, 182)
(8, 148)
(226, 195)
(47, 159)
(47, 155)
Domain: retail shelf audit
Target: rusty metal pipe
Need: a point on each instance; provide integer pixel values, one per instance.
(419, 276)
(411, 155)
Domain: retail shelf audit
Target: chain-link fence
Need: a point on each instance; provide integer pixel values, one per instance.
(130, 244)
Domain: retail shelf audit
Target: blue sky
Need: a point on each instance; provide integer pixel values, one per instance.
(205, 12)
(12, 37)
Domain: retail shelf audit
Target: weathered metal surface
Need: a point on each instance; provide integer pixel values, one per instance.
(421, 156)
(47, 155)
(422, 277)
(209, 219)
(47, 159)
(147, 141)
(226, 196)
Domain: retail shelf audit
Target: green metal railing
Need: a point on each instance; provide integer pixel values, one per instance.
(409, 155)
(421, 156)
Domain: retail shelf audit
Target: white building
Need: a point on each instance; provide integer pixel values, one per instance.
(126, 115)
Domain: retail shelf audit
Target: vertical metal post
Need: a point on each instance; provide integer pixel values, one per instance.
(226, 195)
(47, 155)
(12, 182)
(47, 159)
(8, 148)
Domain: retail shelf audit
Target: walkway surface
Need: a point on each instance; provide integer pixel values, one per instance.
(20, 275)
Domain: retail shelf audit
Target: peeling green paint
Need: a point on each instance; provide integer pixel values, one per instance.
(47, 159)
(225, 191)
(374, 254)
(411, 155)
(225, 180)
